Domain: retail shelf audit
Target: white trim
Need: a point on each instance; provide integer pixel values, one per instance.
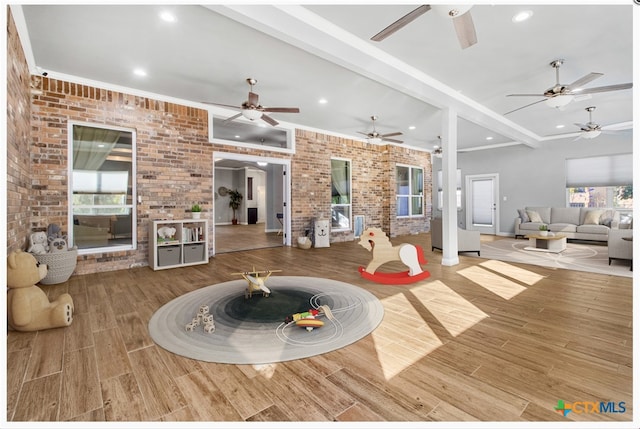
(134, 194)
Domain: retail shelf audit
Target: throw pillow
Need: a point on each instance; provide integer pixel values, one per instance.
(523, 215)
(606, 217)
(534, 216)
(592, 217)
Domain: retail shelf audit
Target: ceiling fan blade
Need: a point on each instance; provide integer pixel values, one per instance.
(581, 126)
(525, 95)
(253, 99)
(363, 133)
(606, 88)
(620, 126)
(269, 120)
(222, 105)
(233, 117)
(390, 134)
(465, 30)
(392, 140)
(530, 104)
(408, 18)
(584, 80)
(281, 109)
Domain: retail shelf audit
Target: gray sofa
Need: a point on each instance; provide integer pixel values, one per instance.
(578, 223)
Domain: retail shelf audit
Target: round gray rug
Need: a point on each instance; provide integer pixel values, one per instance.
(253, 331)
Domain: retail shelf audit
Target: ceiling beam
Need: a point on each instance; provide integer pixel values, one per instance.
(303, 29)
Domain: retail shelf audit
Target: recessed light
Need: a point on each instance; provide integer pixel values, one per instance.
(237, 137)
(560, 126)
(522, 16)
(139, 72)
(489, 138)
(167, 16)
(412, 127)
(323, 101)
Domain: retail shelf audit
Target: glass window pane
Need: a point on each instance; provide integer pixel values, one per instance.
(416, 181)
(402, 180)
(416, 206)
(402, 206)
(341, 217)
(340, 182)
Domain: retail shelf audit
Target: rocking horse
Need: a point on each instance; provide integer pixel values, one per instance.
(377, 242)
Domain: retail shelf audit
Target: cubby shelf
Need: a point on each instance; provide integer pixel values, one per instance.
(181, 243)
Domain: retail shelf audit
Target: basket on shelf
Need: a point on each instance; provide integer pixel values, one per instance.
(60, 266)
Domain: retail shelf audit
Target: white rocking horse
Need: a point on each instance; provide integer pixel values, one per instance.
(377, 242)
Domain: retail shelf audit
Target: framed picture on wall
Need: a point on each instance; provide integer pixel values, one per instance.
(358, 225)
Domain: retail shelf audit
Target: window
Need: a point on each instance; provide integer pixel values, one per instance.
(252, 134)
(101, 188)
(409, 191)
(340, 195)
(601, 181)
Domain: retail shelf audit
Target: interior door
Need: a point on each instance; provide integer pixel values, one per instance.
(481, 203)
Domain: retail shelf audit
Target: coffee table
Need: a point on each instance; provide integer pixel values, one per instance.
(551, 243)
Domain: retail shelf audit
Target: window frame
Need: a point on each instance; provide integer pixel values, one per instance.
(70, 203)
(348, 205)
(410, 196)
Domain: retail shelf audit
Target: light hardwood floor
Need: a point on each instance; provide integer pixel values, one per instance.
(483, 340)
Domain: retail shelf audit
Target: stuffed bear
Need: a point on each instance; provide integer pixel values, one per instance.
(38, 243)
(28, 307)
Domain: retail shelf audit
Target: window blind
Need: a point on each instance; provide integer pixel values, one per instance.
(610, 170)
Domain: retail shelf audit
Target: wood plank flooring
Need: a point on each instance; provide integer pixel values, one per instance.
(480, 341)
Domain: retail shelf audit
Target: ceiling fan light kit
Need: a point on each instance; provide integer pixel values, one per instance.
(559, 101)
(251, 114)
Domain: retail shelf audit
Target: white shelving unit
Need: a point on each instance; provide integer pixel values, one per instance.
(187, 246)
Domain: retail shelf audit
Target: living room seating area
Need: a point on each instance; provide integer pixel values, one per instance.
(578, 223)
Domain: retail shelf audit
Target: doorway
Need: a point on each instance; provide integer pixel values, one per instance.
(482, 203)
(265, 193)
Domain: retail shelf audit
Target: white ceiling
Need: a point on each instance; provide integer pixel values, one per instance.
(301, 53)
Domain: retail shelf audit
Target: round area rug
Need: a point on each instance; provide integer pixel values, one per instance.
(253, 330)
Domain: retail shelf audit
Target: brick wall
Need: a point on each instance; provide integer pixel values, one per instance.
(175, 165)
(18, 113)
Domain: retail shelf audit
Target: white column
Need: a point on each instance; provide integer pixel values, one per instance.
(449, 183)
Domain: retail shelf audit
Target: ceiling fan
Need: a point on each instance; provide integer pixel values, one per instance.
(591, 130)
(377, 138)
(252, 109)
(560, 94)
(460, 15)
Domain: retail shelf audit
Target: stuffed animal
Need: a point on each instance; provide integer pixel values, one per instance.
(28, 307)
(38, 243)
(54, 231)
(166, 232)
(58, 244)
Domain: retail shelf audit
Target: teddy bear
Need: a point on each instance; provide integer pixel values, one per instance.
(38, 243)
(28, 307)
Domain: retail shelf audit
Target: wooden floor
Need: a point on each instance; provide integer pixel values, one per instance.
(483, 340)
(234, 238)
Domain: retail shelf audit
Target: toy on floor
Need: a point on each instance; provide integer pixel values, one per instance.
(377, 242)
(255, 283)
(28, 307)
(308, 319)
(202, 318)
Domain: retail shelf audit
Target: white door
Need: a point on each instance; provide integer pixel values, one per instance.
(481, 203)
